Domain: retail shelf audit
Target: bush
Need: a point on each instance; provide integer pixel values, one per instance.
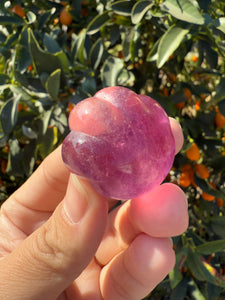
(54, 54)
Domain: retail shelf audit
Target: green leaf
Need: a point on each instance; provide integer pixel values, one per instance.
(126, 78)
(29, 132)
(169, 42)
(44, 121)
(179, 292)
(79, 51)
(44, 62)
(153, 53)
(12, 39)
(31, 17)
(51, 44)
(220, 24)
(198, 269)
(204, 4)
(194, 291)
(211, 247)
(4, 79)
(218, 225)
(99, 21)
(23, 57)
(139, 10)
(218, 163)
(220, 91)
(89, 86)
(15, 159)
(29, 157)
(111, 70)
(221, 106)
(183, 10)
(64, 61)
(9, 114)
(47, 142)
(175, 275)
(53, 84)
(12, 20)
(123, 7)
(44, 18)
(203, 184)
(96, 53)
(135, 42)
(128, 42)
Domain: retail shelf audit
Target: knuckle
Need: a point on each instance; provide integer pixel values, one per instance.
(47, 249)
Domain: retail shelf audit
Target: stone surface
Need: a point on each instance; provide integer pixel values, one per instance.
(120, 141)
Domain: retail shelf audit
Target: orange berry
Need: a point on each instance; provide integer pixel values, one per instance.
(70, 107)
(18, 10)
(120, 54)
(172, 77)
(63, 3)
(194, 58)
(84, 12)
(19, 106)
(180, 105)
(207, 196)
(203, 96)
(4, 165)
(187, 93)
(219, 202)
(186, 168)
(65, 17)
(56, 21)
(202, 171)
(185, 179)
(71, 90)
(219, 120)
(197, 105)
(165, 92)
(30, 68)
(193, 153)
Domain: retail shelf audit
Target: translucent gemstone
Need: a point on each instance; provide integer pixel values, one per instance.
(120, 141)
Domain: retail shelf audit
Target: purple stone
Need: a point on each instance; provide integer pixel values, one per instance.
(120, 141)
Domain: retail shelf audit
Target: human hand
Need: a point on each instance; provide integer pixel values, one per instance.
(58, 240)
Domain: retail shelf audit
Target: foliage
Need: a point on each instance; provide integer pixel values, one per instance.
(173, 50)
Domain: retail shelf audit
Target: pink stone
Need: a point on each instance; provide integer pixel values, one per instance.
(120, 141)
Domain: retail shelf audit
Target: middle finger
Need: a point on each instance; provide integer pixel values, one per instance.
(160, 213)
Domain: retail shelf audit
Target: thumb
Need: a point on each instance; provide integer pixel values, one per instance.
(48, 261)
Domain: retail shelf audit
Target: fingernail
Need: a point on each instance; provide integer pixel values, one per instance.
(76, 200)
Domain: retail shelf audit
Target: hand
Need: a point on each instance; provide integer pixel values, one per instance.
(58, 241)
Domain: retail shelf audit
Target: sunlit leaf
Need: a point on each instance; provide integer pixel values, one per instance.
(15, 159)
(211, 247)
(139, 10)
(122, 7)
(111, 70)
(169, 42)
(220, 24)
(98, 22)
(44, 62)
(23, 57)
(9, 114)
(53, 84)
(183, 10)
(96, 53)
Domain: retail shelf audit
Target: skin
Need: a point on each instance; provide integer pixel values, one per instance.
(58, 239)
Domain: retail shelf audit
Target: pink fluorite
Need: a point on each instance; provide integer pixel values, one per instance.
(120, 141)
